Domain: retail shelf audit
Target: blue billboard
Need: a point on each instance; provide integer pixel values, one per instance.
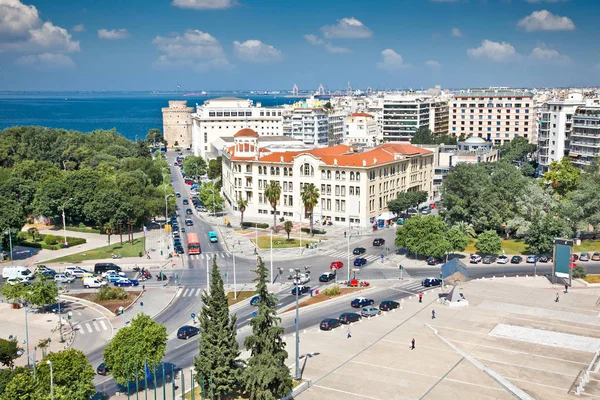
(563, 250)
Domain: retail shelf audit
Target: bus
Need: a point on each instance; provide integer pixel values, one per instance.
(193, 243)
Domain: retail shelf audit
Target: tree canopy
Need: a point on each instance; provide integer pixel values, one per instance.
(194, 166)
(424, 235)
(488, 242)
(563, 176)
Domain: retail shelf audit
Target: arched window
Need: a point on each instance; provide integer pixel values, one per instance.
(259, 170)
(272, 170)
(323, 174)
(248, 168)
(358, 176)
(285, 171)
(307, 170)
(277, 171)
(344, 175)
(351, 176)
(337, 175)
(328, 174)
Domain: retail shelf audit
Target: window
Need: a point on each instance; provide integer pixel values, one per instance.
(351, 175)
(307, 170)
(272, 170)
(337, 175)
(344, 175)
(277, 171)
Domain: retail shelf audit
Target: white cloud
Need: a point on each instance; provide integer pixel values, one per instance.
(314, 40)
(204, 4)
(544, 20)
(433, 64)
(542, 53)
(194, 49)
(336, 49)
(456, 32)
(256, 51)
(113, 34)
(347, 28)
(494, 51)
(16, 18)
(47, 60)
(317, 41)
(78, 28)
(390, 60)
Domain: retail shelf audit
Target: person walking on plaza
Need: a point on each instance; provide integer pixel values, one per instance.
(432, 314)
(412, 347)
(566, 288)
(349, 334)
(421, 297)
(557, 298)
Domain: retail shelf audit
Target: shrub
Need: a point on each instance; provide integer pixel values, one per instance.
(50, 240)
(21, 237)
(315, 231)
(111, 293)
(579, 272)
(261, 225)
(82, 226)
(332, 291)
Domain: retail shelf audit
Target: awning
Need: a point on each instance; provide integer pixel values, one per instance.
(386, 216)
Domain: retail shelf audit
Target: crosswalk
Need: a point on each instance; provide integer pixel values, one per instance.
(188, 292)
(89, 327)
(209, 256)
(343, 255)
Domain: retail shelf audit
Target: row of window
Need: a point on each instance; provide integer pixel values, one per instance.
(490, 105)
(462, 128)
(463, 111)
(242, 113)
(490, 98)
(490, 117)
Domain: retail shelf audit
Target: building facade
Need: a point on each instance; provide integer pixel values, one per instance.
(403, 115)
(177, 124)
(310, 125)
(354, 186)
(585, 137)
(496, 114)
(361, 128)
(336, 121)
(439, 117)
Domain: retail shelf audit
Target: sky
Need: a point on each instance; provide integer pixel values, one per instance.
(273, 44)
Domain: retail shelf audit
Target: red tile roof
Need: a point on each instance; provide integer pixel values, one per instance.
(361, 114)
(246, 132)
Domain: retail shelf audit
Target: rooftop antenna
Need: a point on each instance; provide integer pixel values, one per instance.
(321, 90)
(349, 90)
(295, 90)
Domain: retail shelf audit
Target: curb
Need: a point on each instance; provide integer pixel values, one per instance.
(298, 389)
(167, 305)
(325, 302)
(105, 311)
(134, 300)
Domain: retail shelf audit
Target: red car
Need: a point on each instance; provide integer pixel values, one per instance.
(336, 265)
(189, 182)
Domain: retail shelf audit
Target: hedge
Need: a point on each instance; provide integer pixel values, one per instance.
(60, 242)
(261, 225)
(315, 231)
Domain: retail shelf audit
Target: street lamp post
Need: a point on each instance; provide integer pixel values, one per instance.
(10, 244)
(27, 341)
(297, 280)
(60, 320)
(271, 234)
(348, 237)
(51, 380)
(234, 281)
(166, 213)
(214, 207)
(65, 222)
(300, 220)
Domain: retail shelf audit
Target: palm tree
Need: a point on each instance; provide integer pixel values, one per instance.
(466, 228)
(273, 193)
(310, 198)
(242, 204)
(287, 226)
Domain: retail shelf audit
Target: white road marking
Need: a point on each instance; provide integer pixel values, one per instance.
(343, 391)
(186, 292)
(96, 326)
(103, 325)
(89, 328)
(198, 292)
(179, 292)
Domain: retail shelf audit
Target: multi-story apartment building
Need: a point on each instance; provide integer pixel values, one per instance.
(354, 186)
(496, 114)
(310, 125)
(177, 124)
(585, 136)
(403, 115)
(336, 120)
(361, 128)
(223, 117)
(554, 129)
(439, 117)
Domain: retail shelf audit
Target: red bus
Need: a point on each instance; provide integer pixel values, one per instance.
(193, 244)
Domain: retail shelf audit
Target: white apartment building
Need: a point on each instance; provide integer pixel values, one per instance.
(439, 117)
(496, 114)
(336, 121)
(354, 186)
(554, 129)
(403, 115)
(310, 125)
(585, 136)
(361, 128)
(177, 124)
(223, 117)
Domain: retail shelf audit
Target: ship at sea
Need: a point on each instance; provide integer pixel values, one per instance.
(194, 94)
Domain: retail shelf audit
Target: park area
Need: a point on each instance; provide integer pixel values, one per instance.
(127, 249)
(264, 242)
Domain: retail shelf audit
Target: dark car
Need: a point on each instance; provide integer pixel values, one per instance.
(179, 250)
(545, 259)
(360, 302)
(329, 323)
(189, 222)
(187, 331)
(360, 261)
(103, 267)
(326, 277)
(516, 259)
(349, 317)
(301, 289)
(388, 305)
(102, 369)
(488, 259)
(359, 250)
(428, 282)
(186, 202)
(178, 194)
(378, 242)
(177, 242)
(188, 211)
(431, 261)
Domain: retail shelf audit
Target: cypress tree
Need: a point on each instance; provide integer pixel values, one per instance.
(218, 347)
(266, 376)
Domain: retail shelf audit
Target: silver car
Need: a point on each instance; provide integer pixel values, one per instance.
(63, 278)
(370, 311)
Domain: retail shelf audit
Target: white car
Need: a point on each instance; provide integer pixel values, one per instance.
(302, 279)
(475, 259)
(113, 272)
(14, 281)
(63, 278)
(502, 260)
(74, 271)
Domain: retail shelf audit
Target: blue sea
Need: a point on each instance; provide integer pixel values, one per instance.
(132, 114)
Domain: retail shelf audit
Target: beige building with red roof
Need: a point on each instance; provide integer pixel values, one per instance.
(354, 186)
(361, 128)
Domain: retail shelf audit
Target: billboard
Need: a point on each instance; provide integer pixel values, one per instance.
(563, 250)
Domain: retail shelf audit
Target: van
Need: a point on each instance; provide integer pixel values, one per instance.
(91, 282)
(18, 272)
(103, 267)
(212, 237)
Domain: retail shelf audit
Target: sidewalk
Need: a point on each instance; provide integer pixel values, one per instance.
(152, 301)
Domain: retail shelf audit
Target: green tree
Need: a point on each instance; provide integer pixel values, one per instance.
(563, 176)
(154, 136)
(528, 170)
(42, 293)
(194, 166)
(424, 235)
(287, 226)
(33, 233)
(21, 387)
(266, 376)
(218, 347)
(517, 150)
(143, 341)
(465, 228)
(13, 293)
(446, 140)
(9, 352)
(242, 204)
(457, 239)
(310, 198)
(488, 242)
(215, 168)
(422, 135)
(400, 204)
(586, 198)
(418, 197)
(11, 218)
(73, 375)
(542, 232)
(273, 193)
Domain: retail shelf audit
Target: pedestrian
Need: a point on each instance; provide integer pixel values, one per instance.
(566, 288)
(432, 314)
(413, 344)
(349, 334)
(420, 297)
(344, 233)
(557, 298)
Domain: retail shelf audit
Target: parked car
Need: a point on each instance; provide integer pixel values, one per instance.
(301, 289)
(370, 311)
(545, 259)
(348, 317)
(179, 249)
(115, 276)
(516, 259)
(531, 259)
(428, 282)
(336, 264)
(188, 211)
(475, 259)
(302, 279)
(91, 282)
(360, 261)
(178, 194)
(388, 305)
(124, 282)
(502, 260)
(189, 222)
(488, 259)
(378, 242)
(359, 250)
(186, 202)
(596, 257)
(187, 331)
(329, 323)
(102, 369)
(74, 271)
(574, 257)
(107, 273)
(360, 302)
(584, 257)
(326, 277)
(14, 281)
(45, 272)
(62, 278)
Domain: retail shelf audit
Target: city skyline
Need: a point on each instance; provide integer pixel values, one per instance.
(227, 44)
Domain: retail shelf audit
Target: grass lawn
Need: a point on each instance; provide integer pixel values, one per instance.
(112, 305)
(125, 250)
(509, 246)
(592, 278)
(241, 296)
(588, 245)
(281, 242)
(321, 297)
(198, 392)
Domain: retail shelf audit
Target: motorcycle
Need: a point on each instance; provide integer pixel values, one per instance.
(116, 256)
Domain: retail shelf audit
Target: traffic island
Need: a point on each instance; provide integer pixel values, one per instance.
(330, 293)
(112, 304)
